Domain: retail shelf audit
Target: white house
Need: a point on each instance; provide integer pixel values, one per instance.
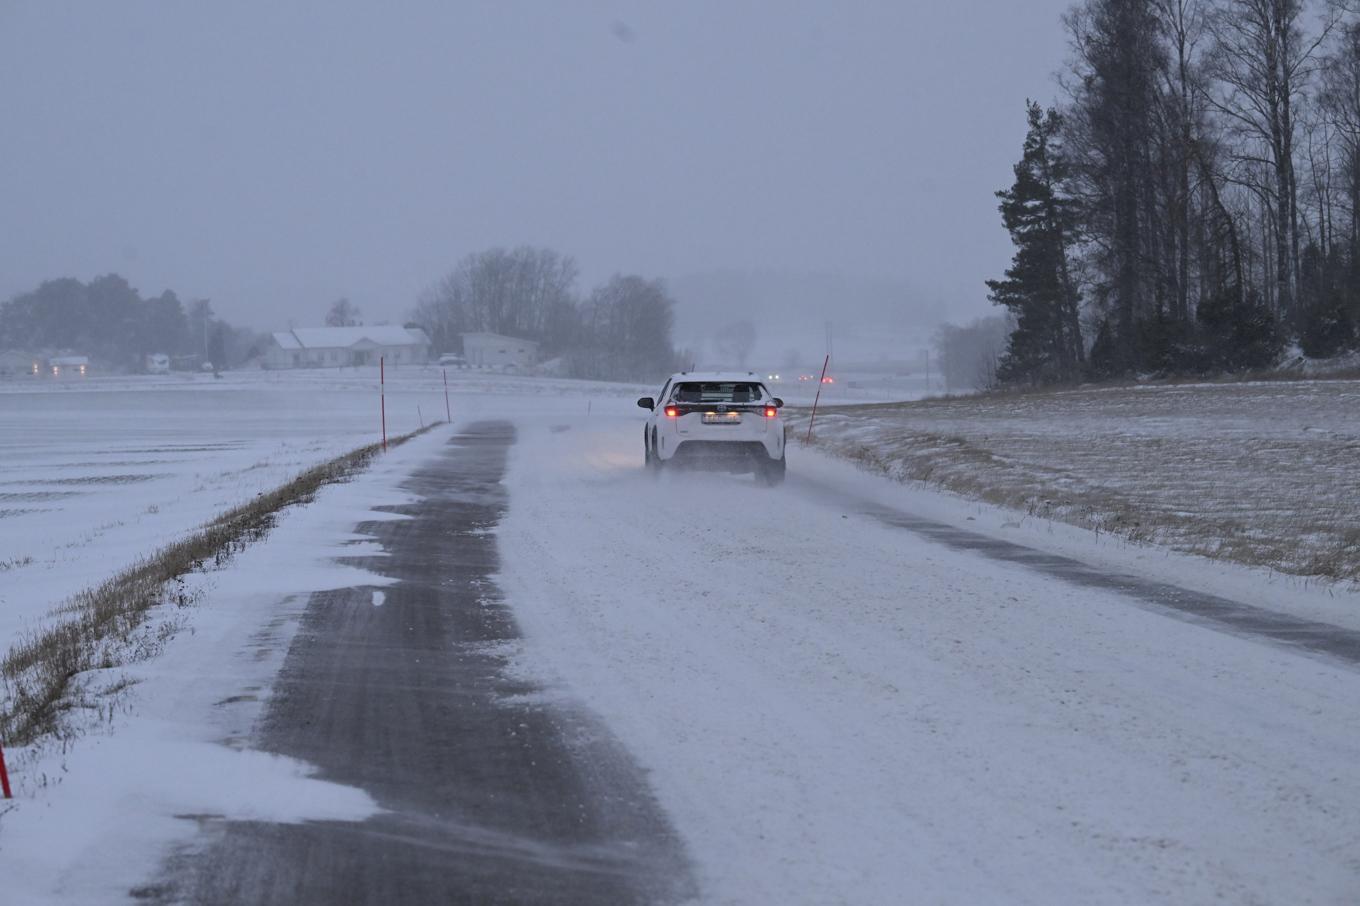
(334, 347)
(492, 350)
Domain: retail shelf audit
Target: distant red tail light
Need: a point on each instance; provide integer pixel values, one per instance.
(672, 412)
(771, 411)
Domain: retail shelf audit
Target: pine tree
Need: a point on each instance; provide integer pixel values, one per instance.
(1038, 288)
(1115, 129)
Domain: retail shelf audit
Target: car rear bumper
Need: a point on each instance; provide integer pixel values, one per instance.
(722, 455)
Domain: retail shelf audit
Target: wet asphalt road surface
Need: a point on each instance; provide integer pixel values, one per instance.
(490, 794)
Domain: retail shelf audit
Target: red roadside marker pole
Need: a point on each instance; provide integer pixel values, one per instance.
(817, 399)
(382, 398)
(4, 776)
(448, 413)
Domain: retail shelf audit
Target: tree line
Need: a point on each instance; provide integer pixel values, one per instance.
(109, 321)
(619, 331)
(1192, 204)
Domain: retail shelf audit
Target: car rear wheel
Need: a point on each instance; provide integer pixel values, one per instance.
(772, 471)
(652, 461)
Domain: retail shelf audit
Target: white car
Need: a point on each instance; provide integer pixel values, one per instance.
(721, 420)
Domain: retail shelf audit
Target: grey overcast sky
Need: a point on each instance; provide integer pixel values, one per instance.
(276, 155)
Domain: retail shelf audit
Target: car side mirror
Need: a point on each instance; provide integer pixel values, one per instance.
(646, 403)
(778, 403)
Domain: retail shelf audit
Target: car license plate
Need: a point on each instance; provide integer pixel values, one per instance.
(722, 418)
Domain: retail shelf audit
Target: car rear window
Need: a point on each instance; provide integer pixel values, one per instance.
(717, 392)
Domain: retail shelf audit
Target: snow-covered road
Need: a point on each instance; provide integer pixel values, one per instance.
(838, 691)
(837, 710)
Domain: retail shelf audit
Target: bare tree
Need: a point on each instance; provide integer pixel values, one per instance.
(735, 342)
(626, 331)
(442, 311)
(1339, 101)
(1262, 63)
(525, 292)
(343, 313)
(970, 355)
(1183, 25)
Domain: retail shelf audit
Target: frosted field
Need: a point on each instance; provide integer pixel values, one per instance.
(1266, 474)
(100, 472)
(852, 387)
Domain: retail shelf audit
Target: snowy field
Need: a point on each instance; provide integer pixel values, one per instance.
(101, 472)
(850, 387)
(1265, 474)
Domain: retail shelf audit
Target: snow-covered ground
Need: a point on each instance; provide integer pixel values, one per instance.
(1260, 473)
(94, 816)
(849, 387)
(1344, 365)
(838, 711)
(100, 472)
(830, 709)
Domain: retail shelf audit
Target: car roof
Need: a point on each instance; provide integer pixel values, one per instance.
(705, 377)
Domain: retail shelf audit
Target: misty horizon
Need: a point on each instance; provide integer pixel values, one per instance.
(274, 160)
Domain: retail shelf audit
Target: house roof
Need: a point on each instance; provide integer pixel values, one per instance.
(497, 337)
(347, 337)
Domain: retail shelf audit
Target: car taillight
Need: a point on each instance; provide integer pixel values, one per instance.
(771, 411)
(672, 412)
